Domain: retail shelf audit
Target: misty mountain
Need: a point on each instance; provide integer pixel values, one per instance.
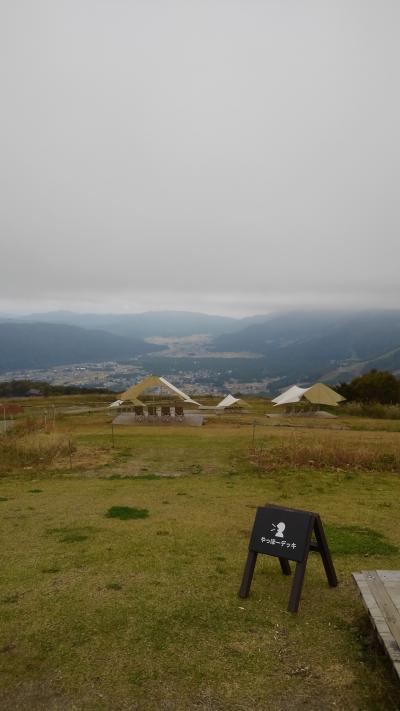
(306, 346)
(279, 330)
(149, 324)
(294, 347)
(40, 345)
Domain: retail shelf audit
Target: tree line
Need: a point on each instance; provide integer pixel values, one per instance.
(24, 388)
(377, 386)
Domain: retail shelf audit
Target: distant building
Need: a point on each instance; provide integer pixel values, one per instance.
(34, 392)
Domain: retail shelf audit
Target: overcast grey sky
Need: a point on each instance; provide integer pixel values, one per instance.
(232, 156)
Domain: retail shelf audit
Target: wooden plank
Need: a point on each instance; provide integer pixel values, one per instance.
(379, 592)
(389, 575)
(385, 603)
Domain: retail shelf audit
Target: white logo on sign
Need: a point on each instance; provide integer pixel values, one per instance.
(279, 528)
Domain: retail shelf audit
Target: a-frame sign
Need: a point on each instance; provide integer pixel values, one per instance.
(287, 534)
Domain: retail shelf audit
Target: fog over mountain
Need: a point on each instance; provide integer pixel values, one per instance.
(151, 323)
(294, 346)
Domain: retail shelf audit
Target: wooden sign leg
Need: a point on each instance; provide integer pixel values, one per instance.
(297, 586)
(299, 574)
(325, 553)
(285, 566)
(248, 574)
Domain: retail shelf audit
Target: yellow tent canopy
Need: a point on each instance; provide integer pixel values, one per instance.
(155, 381)
(320, 394)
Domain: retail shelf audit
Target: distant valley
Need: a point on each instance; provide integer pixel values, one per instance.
(258, 354)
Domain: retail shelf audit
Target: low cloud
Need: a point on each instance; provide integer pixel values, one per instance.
(224, 157)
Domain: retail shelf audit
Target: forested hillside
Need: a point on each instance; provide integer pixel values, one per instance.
(39, 345)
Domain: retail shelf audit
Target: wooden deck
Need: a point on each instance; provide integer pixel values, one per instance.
(380, 592)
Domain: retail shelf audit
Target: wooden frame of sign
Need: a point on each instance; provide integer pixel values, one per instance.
(287, 535)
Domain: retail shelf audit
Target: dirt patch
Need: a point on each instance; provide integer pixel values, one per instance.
(36, 696)
(88, 458)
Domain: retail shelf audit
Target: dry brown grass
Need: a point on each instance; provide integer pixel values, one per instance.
(333, 450)
(32, 449)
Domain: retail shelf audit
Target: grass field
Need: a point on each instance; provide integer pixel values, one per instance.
(106, 612)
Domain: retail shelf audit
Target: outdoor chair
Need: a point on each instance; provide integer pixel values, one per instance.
(179, 415)
(165, 413)
(139, 413)
(152, 413)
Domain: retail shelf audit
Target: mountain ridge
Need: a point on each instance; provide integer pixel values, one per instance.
(309, 346)
(148, 323)
(39, 345)
(291, 346)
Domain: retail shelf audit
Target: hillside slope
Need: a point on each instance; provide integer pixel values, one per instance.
(306, 346)
(39, 345)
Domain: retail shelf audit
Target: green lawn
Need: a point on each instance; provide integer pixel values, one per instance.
(100, 612)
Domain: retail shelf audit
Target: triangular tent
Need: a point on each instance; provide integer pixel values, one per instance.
(294, 394)
(230, 401)
(321, 394)
(154, 381)
(317, 394)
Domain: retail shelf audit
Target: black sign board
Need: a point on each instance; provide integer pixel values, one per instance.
(287, 535)
(284, 533)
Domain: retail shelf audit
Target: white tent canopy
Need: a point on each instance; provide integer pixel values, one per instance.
(294, 394)
(178, 392)
(317, 394)
(116, 403)
(229, 401)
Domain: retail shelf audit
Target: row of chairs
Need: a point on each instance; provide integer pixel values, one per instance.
(153, 414)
